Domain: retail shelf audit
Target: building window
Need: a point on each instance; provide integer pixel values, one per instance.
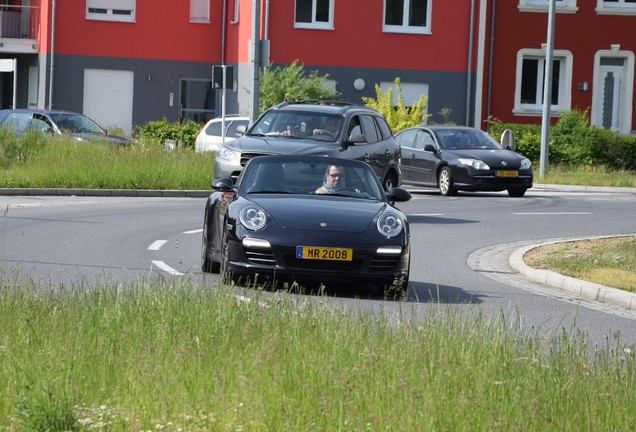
(200, 11)
(111, 10)
(531, 80)
(616, 7)
(315, 14)
(197, 100)
(407, 16)
(543, 5)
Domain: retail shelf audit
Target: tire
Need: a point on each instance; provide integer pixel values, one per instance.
(445, 182)
(207, 264)
(517, 192)
(389, 182)
(225, 276)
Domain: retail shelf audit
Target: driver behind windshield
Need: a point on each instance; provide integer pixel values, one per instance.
(334, 180)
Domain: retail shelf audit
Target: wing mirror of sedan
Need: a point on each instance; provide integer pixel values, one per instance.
(429, 148)
(508, 140)
(223, 185)
(398, 195)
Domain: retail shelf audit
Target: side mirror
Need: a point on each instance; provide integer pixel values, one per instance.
(398, 195)
(357, 139)
(429, 148)
(240, 130)
(508, 139)
(223, 185)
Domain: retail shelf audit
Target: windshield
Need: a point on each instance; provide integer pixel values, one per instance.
(463, 139)
(75, 123)
(311, 176)
(298, 124)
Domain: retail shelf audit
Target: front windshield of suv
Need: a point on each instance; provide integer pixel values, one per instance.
(298, 124)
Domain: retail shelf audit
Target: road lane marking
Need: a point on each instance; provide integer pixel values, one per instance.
(156, 245)
(165, 267)
(194, 231)
(553, 213)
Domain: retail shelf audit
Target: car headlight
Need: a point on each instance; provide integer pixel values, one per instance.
(390, 224)
(475, 163)
(525, 163)
(225, 153)
(253, 218)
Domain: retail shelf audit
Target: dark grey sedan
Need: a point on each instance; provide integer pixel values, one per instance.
(454, 158)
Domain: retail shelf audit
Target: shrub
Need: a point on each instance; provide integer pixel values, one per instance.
(399, 117)
(155, 133)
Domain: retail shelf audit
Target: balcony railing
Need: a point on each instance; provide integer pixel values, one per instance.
(18, 22)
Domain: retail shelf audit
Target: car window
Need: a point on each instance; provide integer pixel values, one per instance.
(406, 138)
(369, 129)
(423, 138)
(17, 122)
(385, 129)
(213, 129)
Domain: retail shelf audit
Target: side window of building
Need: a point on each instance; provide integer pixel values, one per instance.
(111, 10)
(369, 129)
(407, 16)
(197, 100)
(199, 11)
(530, 82)
(316, 14)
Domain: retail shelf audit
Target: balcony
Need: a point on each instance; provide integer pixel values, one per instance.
(19, 29)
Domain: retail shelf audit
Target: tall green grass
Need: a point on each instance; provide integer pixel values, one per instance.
(174, 357)
(60, 163)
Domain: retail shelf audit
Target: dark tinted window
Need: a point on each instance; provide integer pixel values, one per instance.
(213, 129)
(370, 129)
(385, 129)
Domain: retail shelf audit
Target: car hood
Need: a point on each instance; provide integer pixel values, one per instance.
(284, 145)
(492, 157)
(322, 213)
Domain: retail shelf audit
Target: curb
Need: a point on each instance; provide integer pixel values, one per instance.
(580, 288)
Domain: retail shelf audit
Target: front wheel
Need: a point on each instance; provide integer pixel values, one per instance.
(207, 264)
(445, 182)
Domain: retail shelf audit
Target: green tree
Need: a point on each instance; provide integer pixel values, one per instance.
(400, 116)
(295, 83)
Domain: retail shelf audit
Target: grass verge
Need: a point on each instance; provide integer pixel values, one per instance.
(173, 357)
(610, 261)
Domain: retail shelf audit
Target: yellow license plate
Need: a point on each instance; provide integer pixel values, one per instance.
(508, 173)
(324, 253)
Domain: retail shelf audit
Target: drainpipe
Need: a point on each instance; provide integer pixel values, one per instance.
(470, 62)
(490, 62)
(52, 54)
(223, 31)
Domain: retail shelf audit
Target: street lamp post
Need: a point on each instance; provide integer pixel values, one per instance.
(547, 93)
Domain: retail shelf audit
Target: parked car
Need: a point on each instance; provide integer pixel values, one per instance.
(210, 136)
(455, 158)
(276, 225)
(56, 122)
(325, 128)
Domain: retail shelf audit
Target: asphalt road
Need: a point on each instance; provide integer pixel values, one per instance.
(460, 255)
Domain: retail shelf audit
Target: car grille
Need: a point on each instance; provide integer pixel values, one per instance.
(260, 256)
(382, 263)
(245, 157)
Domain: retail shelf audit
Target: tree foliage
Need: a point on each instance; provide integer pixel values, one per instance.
(400, 116)
(294, 82)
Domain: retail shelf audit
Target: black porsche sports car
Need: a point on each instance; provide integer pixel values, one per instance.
(455, 158)
(278, 223)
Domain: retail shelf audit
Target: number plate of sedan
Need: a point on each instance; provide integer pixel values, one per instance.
(324, 253)
(501, 173)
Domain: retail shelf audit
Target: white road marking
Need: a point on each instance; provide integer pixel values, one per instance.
(194, 231)
(165, 267)
(156, 245)
(553, 213)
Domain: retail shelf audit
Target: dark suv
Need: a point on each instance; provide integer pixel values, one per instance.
(329, 128)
